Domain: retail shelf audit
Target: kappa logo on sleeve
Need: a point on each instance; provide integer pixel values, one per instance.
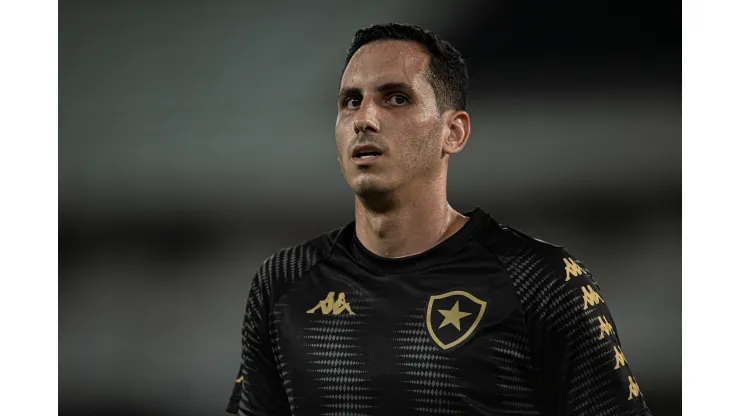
(605, 327)
(590, 297)
(571, 268)
(619, 357)
(634, 388)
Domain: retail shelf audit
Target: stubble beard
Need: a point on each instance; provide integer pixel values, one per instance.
(374, 193)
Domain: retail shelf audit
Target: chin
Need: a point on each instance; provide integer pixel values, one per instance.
(370, 187)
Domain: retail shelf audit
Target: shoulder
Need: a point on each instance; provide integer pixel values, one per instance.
(520, 250)
(289, 264)
(546, 276)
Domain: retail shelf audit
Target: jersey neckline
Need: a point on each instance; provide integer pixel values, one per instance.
(419, 261)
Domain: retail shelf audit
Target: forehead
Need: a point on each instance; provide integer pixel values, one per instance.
(387, 61)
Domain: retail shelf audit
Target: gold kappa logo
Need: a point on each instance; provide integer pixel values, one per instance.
(634, 388)
(240, 379)
(590, 297)
(331, 306)
(571, 268)
(605, 327)
(619, 356)
(448, 323)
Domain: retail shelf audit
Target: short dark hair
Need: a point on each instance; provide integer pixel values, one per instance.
(447, 71)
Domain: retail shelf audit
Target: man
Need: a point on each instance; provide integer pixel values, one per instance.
(415, 308)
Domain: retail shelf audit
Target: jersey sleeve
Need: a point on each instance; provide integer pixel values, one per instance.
(258, 390)
(584, 366)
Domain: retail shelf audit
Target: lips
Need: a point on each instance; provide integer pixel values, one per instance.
(365, 160)
(366, 154)
(366, 150)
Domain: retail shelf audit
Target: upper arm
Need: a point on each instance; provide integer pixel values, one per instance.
(258, 388)
(584, 362)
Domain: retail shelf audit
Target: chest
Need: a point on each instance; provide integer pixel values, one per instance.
(448, 336)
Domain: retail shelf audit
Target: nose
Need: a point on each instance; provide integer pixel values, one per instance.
(366, 118)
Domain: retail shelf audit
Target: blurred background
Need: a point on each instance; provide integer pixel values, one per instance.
(197, 138)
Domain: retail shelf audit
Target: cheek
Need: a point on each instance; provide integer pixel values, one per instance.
(421, 142)
(339, 134)
(343, 139)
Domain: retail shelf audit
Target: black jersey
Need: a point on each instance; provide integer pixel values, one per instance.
(488, 322)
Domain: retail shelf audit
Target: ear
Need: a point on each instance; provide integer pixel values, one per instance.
(458, 130)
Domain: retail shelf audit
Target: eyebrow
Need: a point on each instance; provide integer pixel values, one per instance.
(387, 87)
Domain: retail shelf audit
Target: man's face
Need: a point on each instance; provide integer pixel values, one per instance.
(386, 101)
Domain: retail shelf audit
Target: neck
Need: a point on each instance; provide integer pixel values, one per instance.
(409, 224)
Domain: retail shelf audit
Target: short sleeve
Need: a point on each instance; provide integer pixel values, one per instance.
(585, 366)
(258, 390)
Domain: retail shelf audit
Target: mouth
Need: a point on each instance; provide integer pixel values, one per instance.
(365, 155)
(366, 158)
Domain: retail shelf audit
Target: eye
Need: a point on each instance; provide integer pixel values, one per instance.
(398, 99)
(352, 102)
